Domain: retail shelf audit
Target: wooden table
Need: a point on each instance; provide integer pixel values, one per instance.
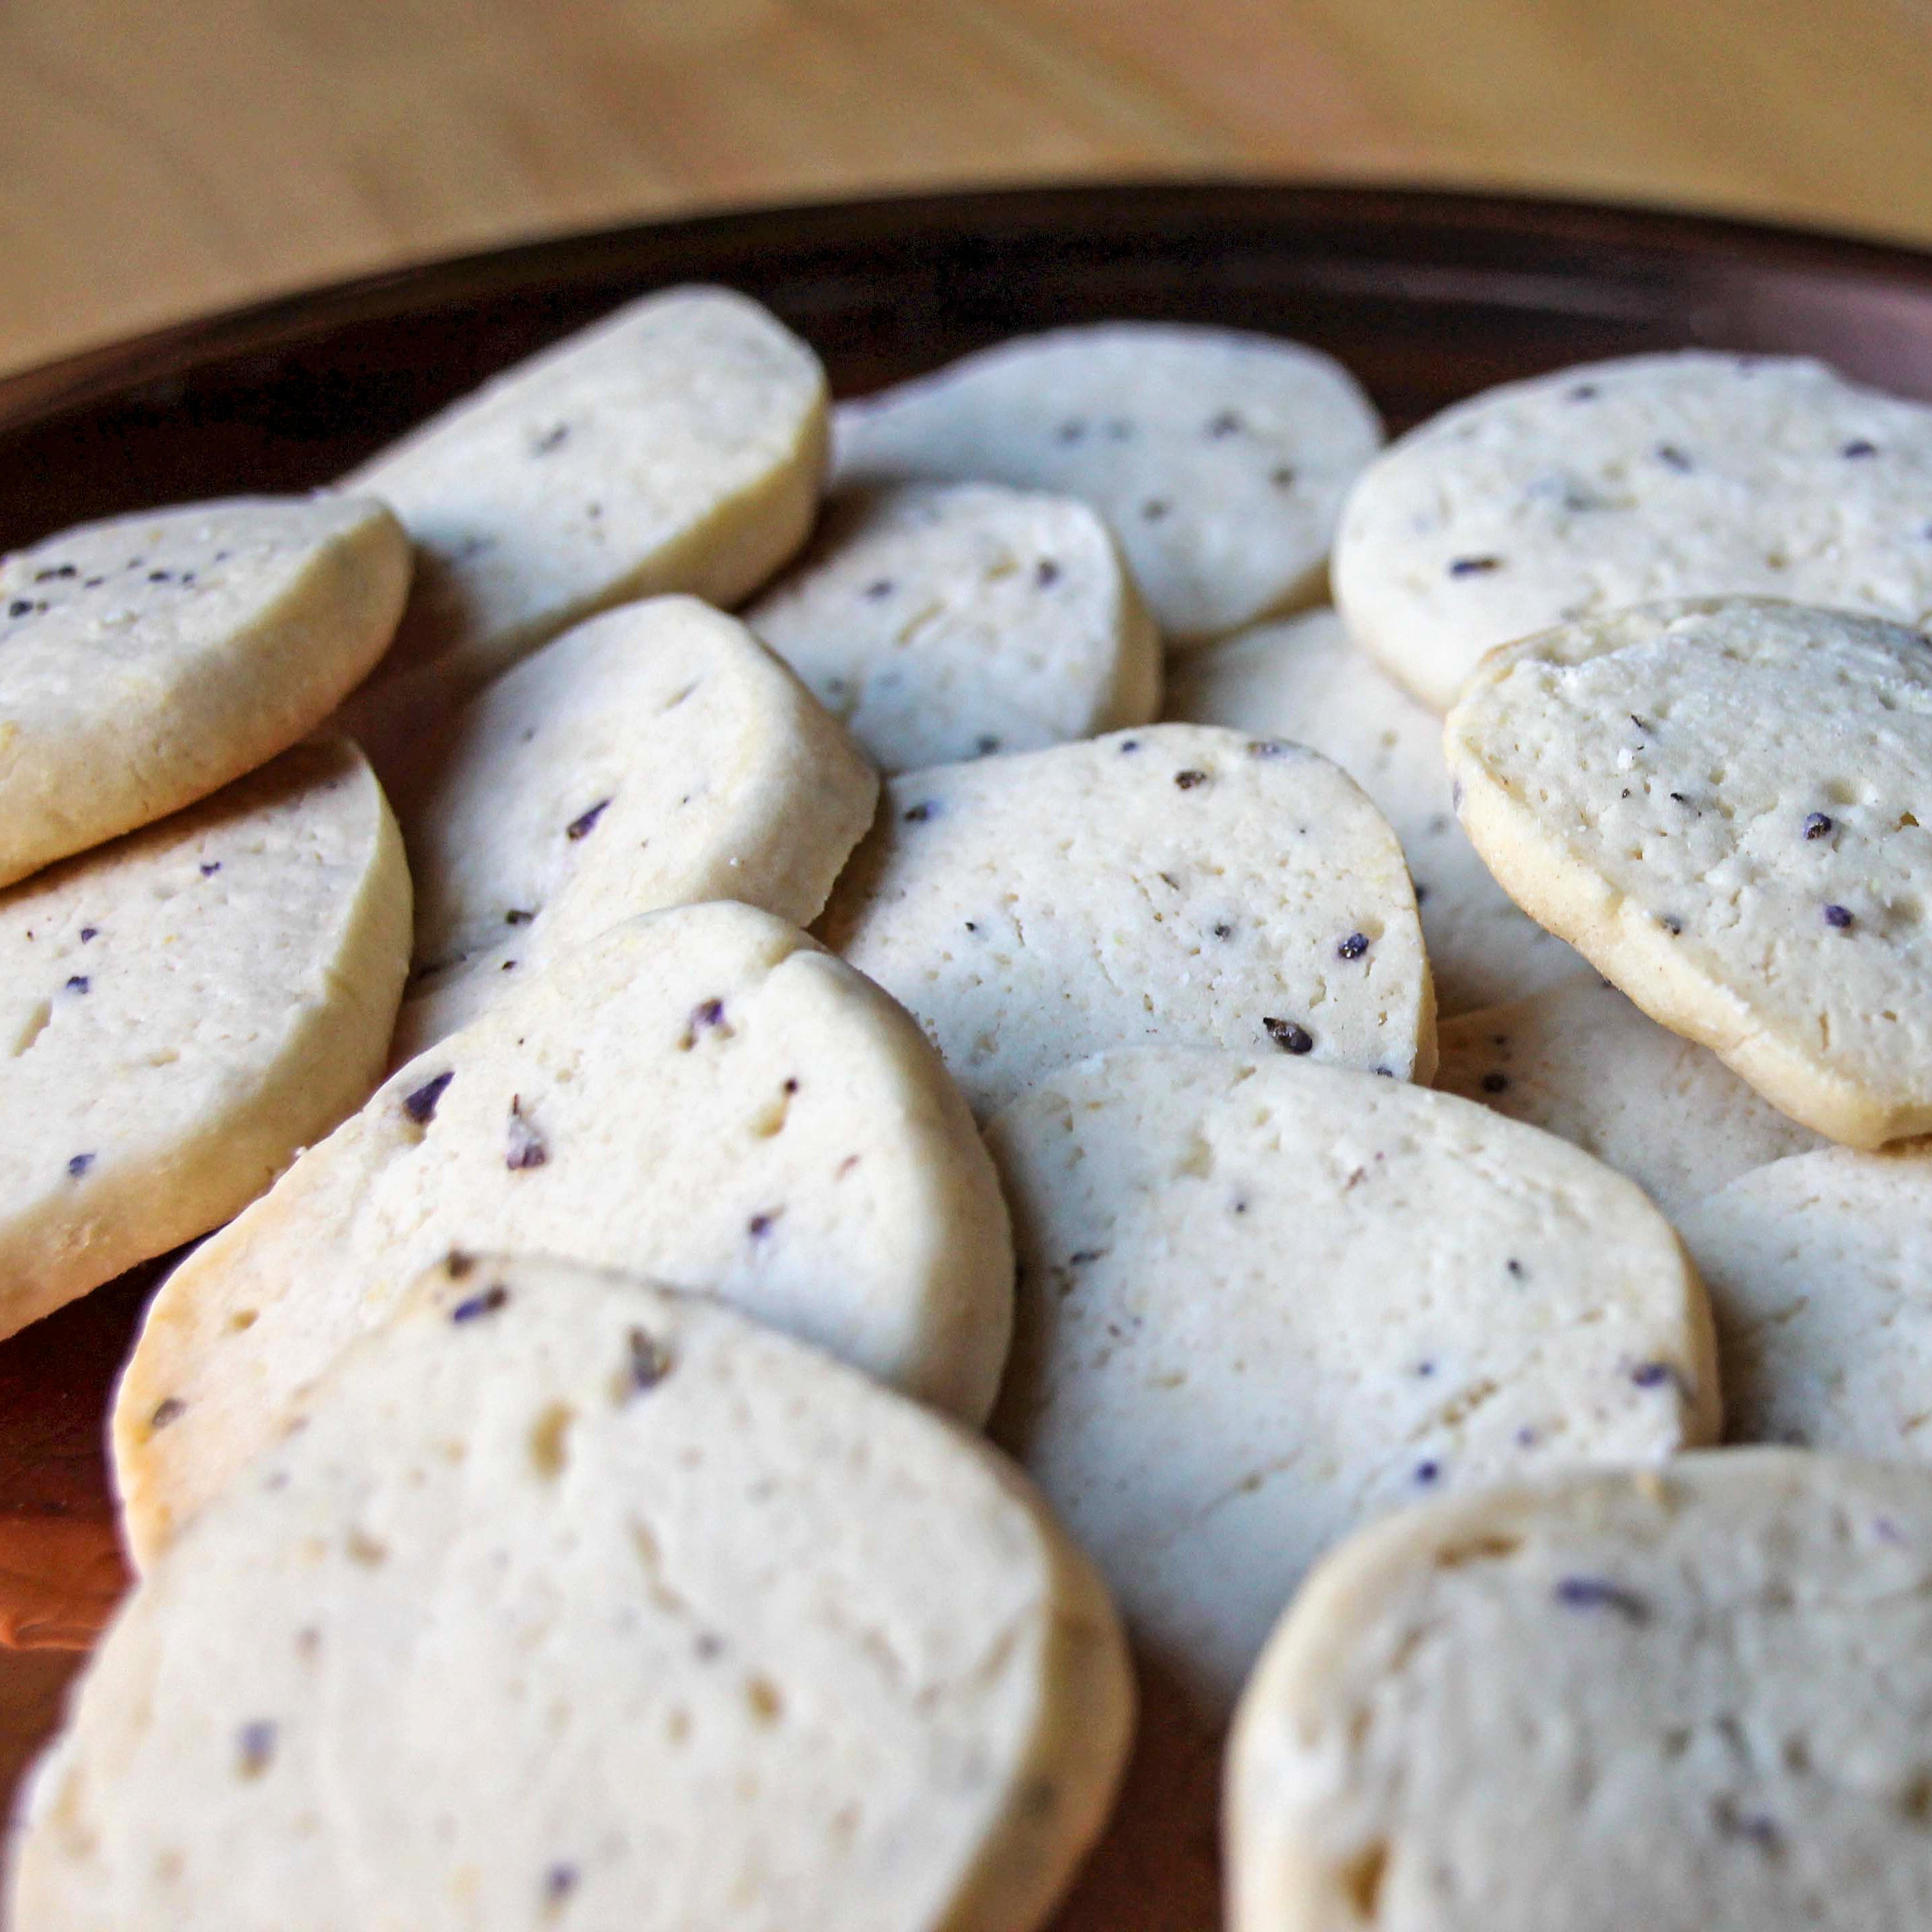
(162, 157)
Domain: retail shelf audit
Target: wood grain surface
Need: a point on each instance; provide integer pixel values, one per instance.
(160, 157)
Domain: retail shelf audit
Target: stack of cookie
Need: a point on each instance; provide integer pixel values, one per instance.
(672, 1402)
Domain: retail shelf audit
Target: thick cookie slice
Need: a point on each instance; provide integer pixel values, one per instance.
(702, 1095)
(1303, 680)
(147, 660)
(1581, 1061)
(1695, 1698)
(942, 622)
(1718, 802)
(1219, 458)
(573, 1601)
(1679, 475)
(183, 1010)
(1175, 884)
(1261, 1302)
(655, 756)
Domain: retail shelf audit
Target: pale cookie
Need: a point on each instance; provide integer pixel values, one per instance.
(1579, 1060)
(938, 622)
(575, 1601)
(1718, 803)
(1177, 884)
(1303, 680)
(679, 445)
(147, 660)
(1220, 458)
(702, 1095)
(655, 756)
(1260, 1302)
(1695, 1698)
(1693, 474)
(183, 1010)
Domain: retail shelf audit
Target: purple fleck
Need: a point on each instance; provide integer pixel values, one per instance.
(585, 822)
(421, 1106)
(1474, 566)
(1354, 946)
(77, 983)
(1816, 825)
(1289, 1036)
(1838, 917)
(1595, 1593)
(492, 1298)
(77, 1164)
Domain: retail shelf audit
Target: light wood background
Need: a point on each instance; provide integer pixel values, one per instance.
(159, 158)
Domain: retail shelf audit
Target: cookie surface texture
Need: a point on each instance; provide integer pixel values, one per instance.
(147, 660)
(1263, 1300)
(1178, 883)
(1219, 458)
(184, 1010)
(574, 1600)
(1687, 475)
(701, 1094)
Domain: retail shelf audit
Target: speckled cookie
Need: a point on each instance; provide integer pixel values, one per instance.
(147, 660)
(181, 1011)
(1579, 1060)
(1718, 802)
(940, 622)
(1693, 474)
(1302, 680)
(655, 756)
(1219, 458)
(701, 1095)
(677, 446)
(574, 1601)
(1698, 1698)
(1261, 1301)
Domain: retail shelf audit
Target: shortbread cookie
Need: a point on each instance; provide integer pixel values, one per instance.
(1220, 458)
(147, 660)
(1579, 1060)
(183, 1010)
(1698, 1698)
(1175, 884)
(1718, 802)
(1693, 474)
(574, 1601)
(1303, 680)
(939, 623)
(702, 1095)
(1260, 1302)
(655, 756)
(679, 445)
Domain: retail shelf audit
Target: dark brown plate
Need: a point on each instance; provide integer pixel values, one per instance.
(1427, 296)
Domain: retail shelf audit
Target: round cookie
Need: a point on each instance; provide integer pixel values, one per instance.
(1177, 883)
(655, 756)
(147, 660)
(1261, 1301)
(574, 1601)
(1303, 680)
(1220, 458)
(945, 622)
(1714, 801)
(1699, 1697)
(702, 1095)
(1693, 474)
(184, 1010)
(1580, 1061)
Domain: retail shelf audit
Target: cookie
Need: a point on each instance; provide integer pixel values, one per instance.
(1693, 474)
(1176, 884)
(1261, 1301)
(147, 660)
(1714, 801)
(575, 1600)
(1695, 1698)
(1302, 680)
(942, 622)
(1219, 458)
(701, 1095)
(655, 756)
(677, 446)
(1579, 1060)
(184, 1010)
